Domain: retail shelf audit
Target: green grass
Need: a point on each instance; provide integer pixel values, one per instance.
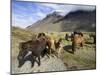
(84, 58)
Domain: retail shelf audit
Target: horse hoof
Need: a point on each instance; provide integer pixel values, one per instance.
(32, 66)
(39, 64)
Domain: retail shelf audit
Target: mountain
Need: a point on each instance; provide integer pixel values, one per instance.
(77, 20)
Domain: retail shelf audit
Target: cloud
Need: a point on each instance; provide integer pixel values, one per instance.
(25, 14)
(66, 8)
(18, 20)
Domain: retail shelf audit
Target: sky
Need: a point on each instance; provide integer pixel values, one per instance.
(27, 13)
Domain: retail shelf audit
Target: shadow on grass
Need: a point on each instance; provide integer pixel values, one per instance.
(68, 49)
(89, 42)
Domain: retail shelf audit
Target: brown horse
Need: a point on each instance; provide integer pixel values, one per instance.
(77, 40)
(49, 41)
(58, 47)
(32, 48)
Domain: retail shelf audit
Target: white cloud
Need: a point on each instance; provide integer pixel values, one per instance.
(66, 8)
(40, 14)
(85, 7)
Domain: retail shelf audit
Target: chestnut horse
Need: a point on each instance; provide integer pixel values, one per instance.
(49, 41)
(58, 47)
(77, 40)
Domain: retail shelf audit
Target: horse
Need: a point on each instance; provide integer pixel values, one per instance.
(32, 48)
(49, 41)
(77, 40)
(58, 46)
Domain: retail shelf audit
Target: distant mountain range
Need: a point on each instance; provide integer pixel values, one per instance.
(77, 20)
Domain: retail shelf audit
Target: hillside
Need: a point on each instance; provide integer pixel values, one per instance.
(77, 20)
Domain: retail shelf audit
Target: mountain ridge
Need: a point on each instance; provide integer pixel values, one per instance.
(77, 20)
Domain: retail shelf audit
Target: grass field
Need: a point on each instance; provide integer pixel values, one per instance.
(84, 58)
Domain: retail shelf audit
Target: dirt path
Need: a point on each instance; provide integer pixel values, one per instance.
(52, 64)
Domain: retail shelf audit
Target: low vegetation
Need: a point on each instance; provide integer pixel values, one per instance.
(84, 58)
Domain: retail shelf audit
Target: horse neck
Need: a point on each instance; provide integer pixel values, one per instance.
(42, 39)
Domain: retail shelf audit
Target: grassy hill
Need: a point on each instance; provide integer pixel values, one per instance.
(21, 34)
(84, 58)
(18, 35)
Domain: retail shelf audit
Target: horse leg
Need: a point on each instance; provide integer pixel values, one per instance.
(73, 47)
(49, 47)
(39, 63)
(32, 61)
(81, 44)
(47, 55)
(59, 52)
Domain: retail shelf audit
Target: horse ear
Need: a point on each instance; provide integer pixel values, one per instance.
(43, 34)
(28, 53)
